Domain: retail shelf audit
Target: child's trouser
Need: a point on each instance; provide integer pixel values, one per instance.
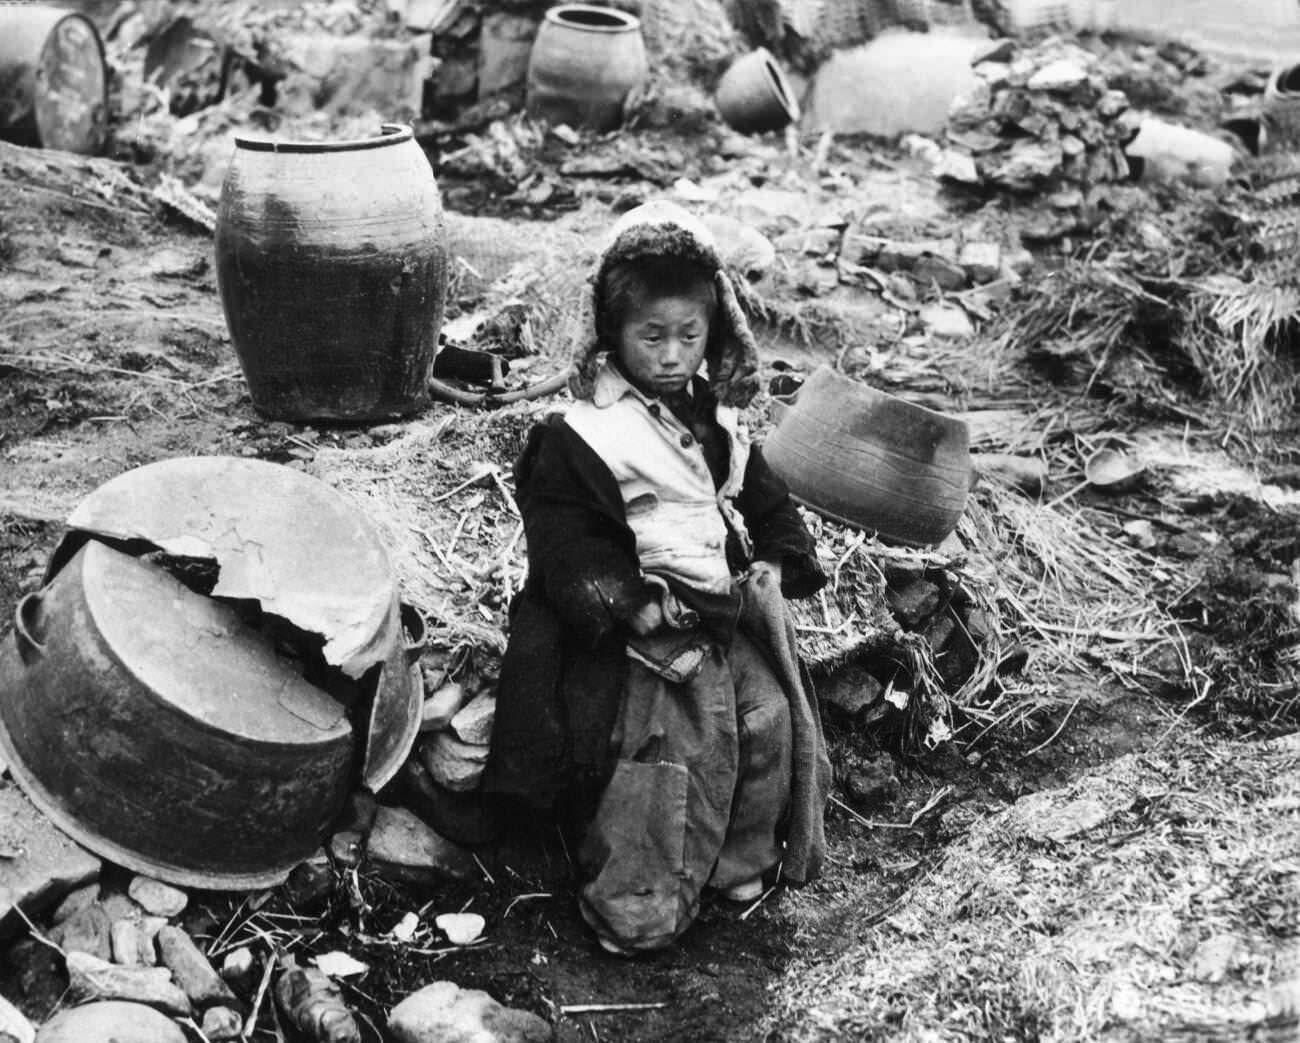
(698, 795)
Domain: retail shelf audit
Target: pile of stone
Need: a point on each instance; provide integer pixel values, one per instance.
(1042, 120)
(442, 776)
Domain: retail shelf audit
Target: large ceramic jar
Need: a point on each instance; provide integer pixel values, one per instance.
(332, 270)
(873, 460)
(585, 63)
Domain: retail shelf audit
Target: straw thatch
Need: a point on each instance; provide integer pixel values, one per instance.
(1155, 899)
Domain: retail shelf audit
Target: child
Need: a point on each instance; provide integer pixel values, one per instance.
(651, 660)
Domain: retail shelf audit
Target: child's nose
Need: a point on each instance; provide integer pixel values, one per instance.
(672, 351)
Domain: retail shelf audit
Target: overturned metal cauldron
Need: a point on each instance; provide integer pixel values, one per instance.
(209, 735)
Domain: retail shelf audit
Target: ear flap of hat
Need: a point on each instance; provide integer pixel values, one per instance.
(586, 343)
(733, 367)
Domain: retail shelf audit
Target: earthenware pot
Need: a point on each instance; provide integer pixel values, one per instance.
(872, 460)
(754, 96)
(332, 268)
(585, 63)
(155, 727)
(53, 79)
(1281, 108)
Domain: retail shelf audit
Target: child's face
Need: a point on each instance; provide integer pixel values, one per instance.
(662, 342)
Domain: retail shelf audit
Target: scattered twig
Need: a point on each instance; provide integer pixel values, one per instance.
(1060, 728)
(608, 1008)
(272, 958)
(36, 934)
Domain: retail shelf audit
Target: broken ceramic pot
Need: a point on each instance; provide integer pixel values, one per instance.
(217, 559)
(1114, 470)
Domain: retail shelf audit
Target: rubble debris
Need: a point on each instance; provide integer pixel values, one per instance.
(441, 706)
(110, 1019)
(452, 763)
(14, 1026)
(43, 866)
(239, 968)
(1172, 153)
(473, 723)
(404, 849)
(460, 928)
(191, 970)
(1046, 120)
(90, 978)
(444, 1010)
(156, 897)
(465, 818)
(313, 1006)
(222, 1025)
(127, 943)
(80, 899)
(87, 930)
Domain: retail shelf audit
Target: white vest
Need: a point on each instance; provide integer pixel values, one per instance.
(679, 519)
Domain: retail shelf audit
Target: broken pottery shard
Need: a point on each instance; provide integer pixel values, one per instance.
(461, 928)
(282, 538)
(75, 902)
(403, 848)
(1061, 75)
(87, 931)
(947, 321)
(444, 1010)
(441, 706)
(42, 865)
(982, 261)
(473, 724)
(158, 898)
(454, 764)
(90, 978)
(191, 970)
(14, 1024)
(221, 1025)
(128, 944)
(110, 1020)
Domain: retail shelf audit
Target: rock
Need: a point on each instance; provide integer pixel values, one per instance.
(86, 931)
(1028, 163)
(454, 764)
(444, 1012)
(221, 1024)
(239, 968)
(473, 723)
(192, 971)
(90, 978)
(1111, 104)
(45, 865)
(1026, 473)
(462, 817)
(39, 970)
(75, 902)
(312, 1005)
(995, 51)
(862, 249)
(14, 1024)
(120, 907)
(113, 1020)
(946, 274)
(937, 630)
(868, 783)
(128, 943)
(1019, 262)
(897, 255)
(981, 261)
(1060, 75)
(744, 250)
(914, 602)
(310, 883)
(505, 44)
(441, 706)
(947, 321)
(1213, 958)
(149, 928)
(347, 848)
(157, 898)
(850, 692)
(404, 849)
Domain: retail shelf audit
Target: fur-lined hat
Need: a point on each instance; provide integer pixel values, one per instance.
(663, 229)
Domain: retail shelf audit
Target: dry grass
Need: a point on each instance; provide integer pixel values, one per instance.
(1156, 899)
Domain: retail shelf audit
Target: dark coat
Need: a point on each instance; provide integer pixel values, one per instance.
(562, 676)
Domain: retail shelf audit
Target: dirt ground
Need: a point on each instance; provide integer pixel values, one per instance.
(114, 353)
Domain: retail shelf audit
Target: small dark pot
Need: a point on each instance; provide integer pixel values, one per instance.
(754, 96)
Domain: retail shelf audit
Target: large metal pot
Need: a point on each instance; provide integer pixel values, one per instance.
(332, 269)
(155, 727)
(303, 552)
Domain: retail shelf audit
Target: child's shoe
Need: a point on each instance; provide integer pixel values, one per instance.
(745, 891)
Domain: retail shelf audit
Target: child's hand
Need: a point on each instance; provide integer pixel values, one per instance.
(647, 619)
(772, 568)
